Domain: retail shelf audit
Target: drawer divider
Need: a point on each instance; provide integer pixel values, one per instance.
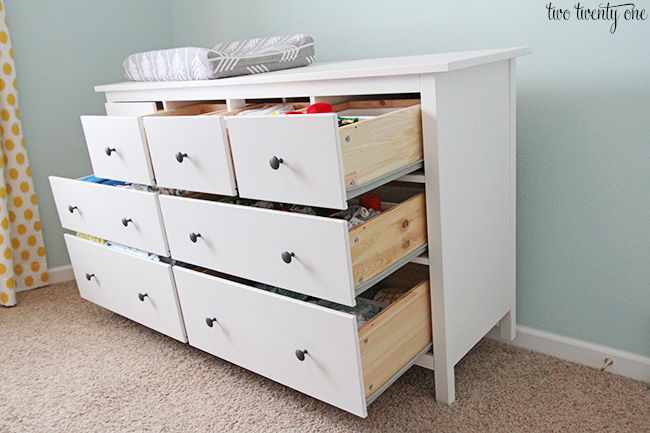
(389, 270)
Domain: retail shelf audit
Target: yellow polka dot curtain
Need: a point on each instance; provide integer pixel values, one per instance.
(22, 254)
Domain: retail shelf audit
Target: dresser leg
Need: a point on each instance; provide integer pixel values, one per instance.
(507, 327)
(444, 380)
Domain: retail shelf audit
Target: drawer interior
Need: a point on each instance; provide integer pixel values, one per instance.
(381, 200)
(266, 109)
(372, 108)
(191, 110)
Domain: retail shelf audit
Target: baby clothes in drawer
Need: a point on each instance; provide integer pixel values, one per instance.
(137, 288)
(308, 159)
(316, 350)
(314, 255)
(117, 214)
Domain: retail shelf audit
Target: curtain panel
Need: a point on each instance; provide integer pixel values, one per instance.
(22, 253)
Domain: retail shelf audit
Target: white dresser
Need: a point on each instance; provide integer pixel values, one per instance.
(438, 146)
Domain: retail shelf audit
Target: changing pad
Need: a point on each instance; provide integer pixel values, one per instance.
(250, 56)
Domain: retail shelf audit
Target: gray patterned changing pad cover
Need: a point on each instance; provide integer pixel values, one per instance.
(250, 56)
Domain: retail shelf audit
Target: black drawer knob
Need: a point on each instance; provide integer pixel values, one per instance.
(180, 156)
(109, 150)
(194, 236)
(300, 354)
(210, 321)
(89, 276)
(286, 256)
(125, 222)
(141, 296)
(275, 162)
(71, 208)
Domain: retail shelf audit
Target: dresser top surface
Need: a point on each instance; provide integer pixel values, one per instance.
(392, 66)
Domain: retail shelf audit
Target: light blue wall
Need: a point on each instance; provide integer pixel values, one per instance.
(62, 49)
(583, 154)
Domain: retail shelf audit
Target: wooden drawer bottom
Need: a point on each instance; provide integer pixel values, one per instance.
(313, 349)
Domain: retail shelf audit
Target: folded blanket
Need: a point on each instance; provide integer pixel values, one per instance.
(251, 56)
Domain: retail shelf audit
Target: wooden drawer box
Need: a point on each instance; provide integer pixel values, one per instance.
(340, 364)
(118, 147)
(323, 164)
(308, 254)
(137, 288)
(121, 215)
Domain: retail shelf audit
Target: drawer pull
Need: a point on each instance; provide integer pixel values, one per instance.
(210, 321)
(300, 354)
(286, 256)
(89, 276)
(141, 296)
(194, 236)
(180, 156)
(275, 162)
(125, 222)
(109, 150)
(72, 208)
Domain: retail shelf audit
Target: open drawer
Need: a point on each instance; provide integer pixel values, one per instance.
(118, 147)
(137, 288)
(314, 255)
(116, 214)
(308, 159)
(313, 349)
(191, 152)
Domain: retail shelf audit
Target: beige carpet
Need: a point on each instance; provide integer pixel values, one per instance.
(69, 366)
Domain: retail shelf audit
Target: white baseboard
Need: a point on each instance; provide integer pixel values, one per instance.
(57, 275)
(592, 355)
(60, 274)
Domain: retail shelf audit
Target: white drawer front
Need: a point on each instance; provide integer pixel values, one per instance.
(311, 172)
(191, 152)
(101, 211)
(249, 242)
(261, 331)
(129, 161)
(115, 280)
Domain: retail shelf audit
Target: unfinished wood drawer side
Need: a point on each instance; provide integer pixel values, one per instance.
(394, 337)
(376, 147)
(387, 238)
